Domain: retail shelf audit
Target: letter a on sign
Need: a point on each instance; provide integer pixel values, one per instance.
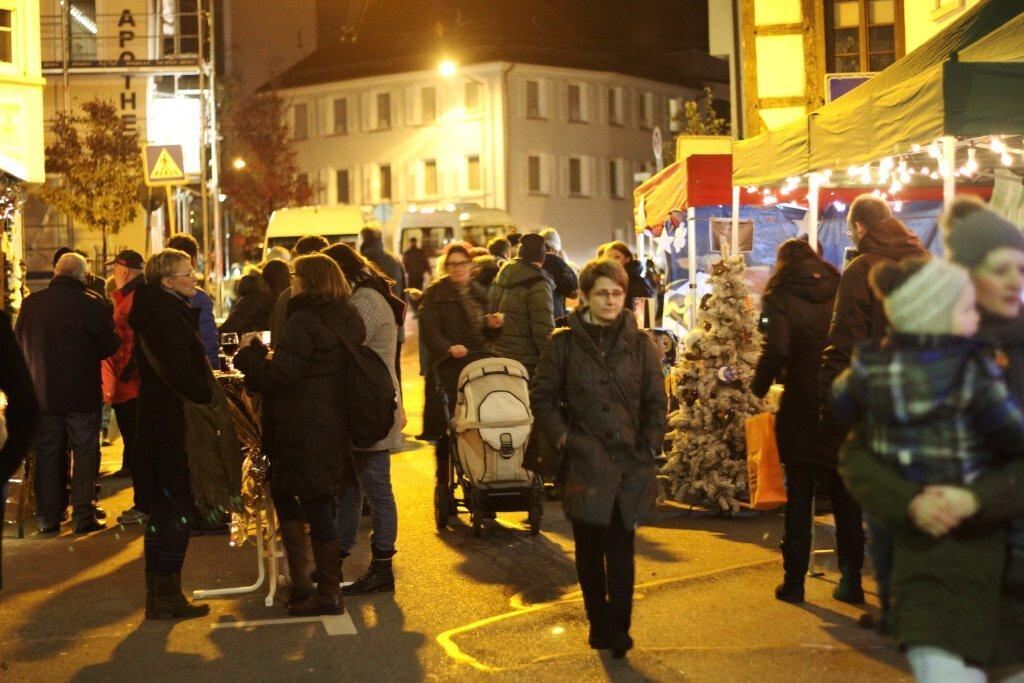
(163, 165)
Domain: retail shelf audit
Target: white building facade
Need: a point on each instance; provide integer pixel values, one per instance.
(551, 146)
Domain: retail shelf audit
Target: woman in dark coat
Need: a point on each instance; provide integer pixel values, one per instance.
(311, 442)
(251, 310)
(640, 286)
(453, 321)
(609, 375)
(797, 309)
(172, 368)
(992, 249)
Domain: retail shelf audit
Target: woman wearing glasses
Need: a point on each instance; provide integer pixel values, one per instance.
(453, 322)
(172, 367)
(608, 372)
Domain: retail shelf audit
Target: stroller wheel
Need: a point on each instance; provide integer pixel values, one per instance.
(442, 506)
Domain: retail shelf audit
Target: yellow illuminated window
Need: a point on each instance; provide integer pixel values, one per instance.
(863, 35)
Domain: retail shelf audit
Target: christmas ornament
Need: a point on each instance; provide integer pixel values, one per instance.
(679, 240)
(664, 242)
(726, 375)
(12, 197)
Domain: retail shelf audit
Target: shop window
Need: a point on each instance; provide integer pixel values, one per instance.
(863, 35)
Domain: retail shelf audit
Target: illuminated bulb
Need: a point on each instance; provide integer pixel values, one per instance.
(852, 171)
(752, 189)
(865, 176)
(933, 150)
(769, 199)
(972, 162)
(839, 206)
(997, 146)
(915, 147)
(933, 176)
(785, 190)
(886, 164)
(926, 171)
(897, 205)
(826, 174)
(911, 171)
(895, 187)
(905, 177)
(1006, 159)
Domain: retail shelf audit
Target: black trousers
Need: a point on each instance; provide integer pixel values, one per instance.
(796, 540)
(604, 565)
(319, 512)
(126, 413)
(167, 530)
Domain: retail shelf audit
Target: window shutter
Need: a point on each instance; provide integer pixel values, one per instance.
(368, 105)
(544, 94)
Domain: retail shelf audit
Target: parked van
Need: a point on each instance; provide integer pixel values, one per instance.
(436, 228)
(340, 223)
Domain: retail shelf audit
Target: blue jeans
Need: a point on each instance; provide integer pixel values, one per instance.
(369, 476)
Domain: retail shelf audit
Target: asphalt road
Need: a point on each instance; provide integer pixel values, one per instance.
(504, 606)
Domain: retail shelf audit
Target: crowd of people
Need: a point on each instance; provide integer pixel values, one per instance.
(903, 378)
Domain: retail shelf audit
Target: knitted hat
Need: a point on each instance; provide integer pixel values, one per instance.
(924, 303)
(531, 248)
(972, 237)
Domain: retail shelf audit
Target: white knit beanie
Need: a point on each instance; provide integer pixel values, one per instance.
(924, 303)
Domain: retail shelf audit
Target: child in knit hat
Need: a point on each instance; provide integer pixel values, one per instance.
(933, 409)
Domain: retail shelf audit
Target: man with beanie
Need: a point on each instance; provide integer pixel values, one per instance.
(858, 316)
(931, 407)
(522, 292)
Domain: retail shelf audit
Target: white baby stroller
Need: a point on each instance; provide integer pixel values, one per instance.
(487, 432)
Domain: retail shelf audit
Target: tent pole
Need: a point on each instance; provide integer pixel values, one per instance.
(735, 220)
(949, 160)
(813, 199)
(691, 261)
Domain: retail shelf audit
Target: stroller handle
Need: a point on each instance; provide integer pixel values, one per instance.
(468, 358)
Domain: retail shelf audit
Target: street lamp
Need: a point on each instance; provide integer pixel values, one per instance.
(447, 68)
(238, 164)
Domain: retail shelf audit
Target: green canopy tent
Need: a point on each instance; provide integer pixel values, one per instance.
(967, 81)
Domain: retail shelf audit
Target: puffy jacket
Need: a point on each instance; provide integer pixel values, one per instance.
(794, 320)
(120, 371)
(523, 292)
(65, 331)
(305, 382)
(610, 380)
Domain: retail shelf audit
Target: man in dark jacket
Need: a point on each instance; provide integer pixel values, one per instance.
(22, 412)
(858, 316)
(371, 245)
(561, 273)
(65, 331)
(522, 292)
(93, 282)
(416, 264)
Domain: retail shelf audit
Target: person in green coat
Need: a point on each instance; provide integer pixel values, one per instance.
(523, 293)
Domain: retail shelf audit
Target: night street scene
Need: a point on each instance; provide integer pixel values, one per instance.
(516, 340)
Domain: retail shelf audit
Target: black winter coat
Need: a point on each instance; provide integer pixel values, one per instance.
(640, 286)
(251, 312)
(795, 320)
(858, 315)
(566, 282)
(168, 327)
(65, 331)
(305, 381)
(610, 378)
(444, 321)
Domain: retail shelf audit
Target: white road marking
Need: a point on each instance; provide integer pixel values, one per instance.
(335, 625)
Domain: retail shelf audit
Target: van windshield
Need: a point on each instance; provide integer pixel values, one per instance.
(480, 235)
(432, 240)
(288, 241)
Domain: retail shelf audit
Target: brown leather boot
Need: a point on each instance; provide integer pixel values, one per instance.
(299, 553)
(327, 599)
(170, 603)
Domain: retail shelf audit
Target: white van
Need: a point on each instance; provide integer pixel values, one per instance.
(340, 223)
(435, 228)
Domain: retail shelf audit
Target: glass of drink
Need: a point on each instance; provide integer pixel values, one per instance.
(229, 344)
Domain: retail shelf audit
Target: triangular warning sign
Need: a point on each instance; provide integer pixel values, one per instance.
(165, 167)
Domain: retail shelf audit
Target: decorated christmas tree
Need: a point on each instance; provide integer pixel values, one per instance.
(707, 460)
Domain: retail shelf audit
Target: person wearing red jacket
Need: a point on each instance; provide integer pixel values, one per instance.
(121, 376)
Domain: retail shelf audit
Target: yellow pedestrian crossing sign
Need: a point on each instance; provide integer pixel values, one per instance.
(163, 165)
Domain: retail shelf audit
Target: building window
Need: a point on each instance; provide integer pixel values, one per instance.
(383, 111)
(575, 177)
(473, 180)
(863, 35)
(300, 121)
(534, 175)
(675, 114)
(533, 110)
(7, 36)
(615, 106)
(340, 116)
(614, 178)
(472, 95)
(575, 104)
(344, 195)
(430, 177)
(385, 183)
(428, 105)
(645, 110)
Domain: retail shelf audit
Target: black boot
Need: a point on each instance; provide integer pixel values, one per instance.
(170, 603)
(299, 553)
(621, 644)
(849, 589)
(600, 638)
(378, 578)
(790, 590)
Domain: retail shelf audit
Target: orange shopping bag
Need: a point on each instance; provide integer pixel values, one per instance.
(764, 469)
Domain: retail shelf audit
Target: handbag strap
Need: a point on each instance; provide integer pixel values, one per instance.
(158, 368)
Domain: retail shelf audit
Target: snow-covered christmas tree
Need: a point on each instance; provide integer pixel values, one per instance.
(707, 460)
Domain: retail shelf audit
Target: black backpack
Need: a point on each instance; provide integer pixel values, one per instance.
(370, 395)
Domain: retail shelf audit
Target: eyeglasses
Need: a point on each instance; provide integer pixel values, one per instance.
(608, 294)
(191, 274)
(456, 264)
